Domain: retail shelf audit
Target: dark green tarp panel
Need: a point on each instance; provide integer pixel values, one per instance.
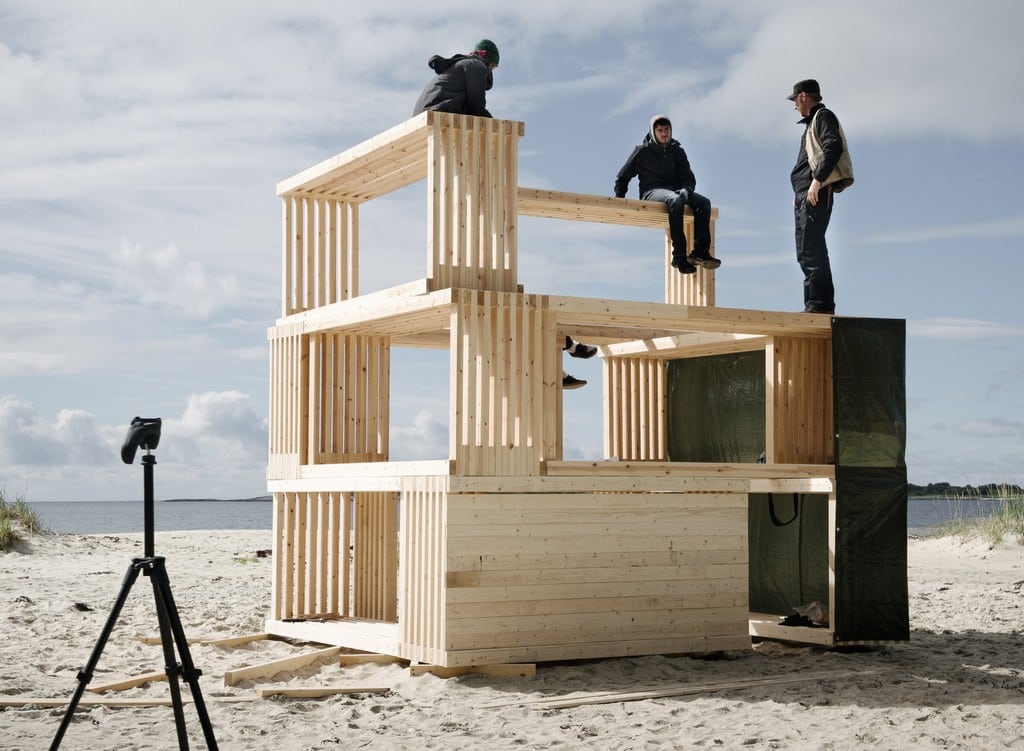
(788, 543)
(716, 408)
(869, 372)
(869, 369)
(872, 601)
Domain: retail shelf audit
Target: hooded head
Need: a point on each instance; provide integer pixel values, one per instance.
(658, 124)
(487, 51)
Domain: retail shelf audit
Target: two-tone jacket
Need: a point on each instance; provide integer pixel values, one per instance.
(823, 153)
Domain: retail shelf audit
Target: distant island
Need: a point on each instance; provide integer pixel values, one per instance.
(219, 500)
(945, 490)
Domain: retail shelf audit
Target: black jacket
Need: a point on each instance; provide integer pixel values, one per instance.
(828, 133)
(458, 87)
(657, 166)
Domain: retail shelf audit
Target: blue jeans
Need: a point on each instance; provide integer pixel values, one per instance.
(701, 208)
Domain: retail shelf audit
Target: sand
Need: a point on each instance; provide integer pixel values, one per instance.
(957, 684)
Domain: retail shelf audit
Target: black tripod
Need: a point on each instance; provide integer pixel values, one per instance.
(145, 432)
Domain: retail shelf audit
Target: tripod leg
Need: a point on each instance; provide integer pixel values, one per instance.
(171, 621)
(171, 666)
(85, 675)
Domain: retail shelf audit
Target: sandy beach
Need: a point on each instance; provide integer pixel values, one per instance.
(958, 683)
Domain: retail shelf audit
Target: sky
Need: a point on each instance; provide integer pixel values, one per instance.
(141, 145)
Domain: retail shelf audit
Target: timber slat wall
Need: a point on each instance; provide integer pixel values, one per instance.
(505, 552)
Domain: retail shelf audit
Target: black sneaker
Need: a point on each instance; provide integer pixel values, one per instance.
(704, 260)
(684, 267)
(571, 382)
(579, 349)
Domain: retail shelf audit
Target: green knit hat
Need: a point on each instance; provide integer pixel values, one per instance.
(490, 50)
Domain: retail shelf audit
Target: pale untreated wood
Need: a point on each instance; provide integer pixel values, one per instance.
(494, 671)
(506, 553)
(123, 683)
(317, 692)
(661, 692)
(269, 669)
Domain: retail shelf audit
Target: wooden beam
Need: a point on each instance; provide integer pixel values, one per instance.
(317, 692)
(613, 697)
(518, 670)
(122, 683)
(102, 701)
(268, 669)
(585, 207)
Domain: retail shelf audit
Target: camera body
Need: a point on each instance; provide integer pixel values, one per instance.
(144, 432)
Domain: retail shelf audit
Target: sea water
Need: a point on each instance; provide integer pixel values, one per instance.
(924, 515)
(118, 517)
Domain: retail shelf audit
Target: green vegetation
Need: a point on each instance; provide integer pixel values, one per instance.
(16, 519)
(945, 490)
(1006, 521)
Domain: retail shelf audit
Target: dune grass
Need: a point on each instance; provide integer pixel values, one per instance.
(16, 519)
(1007, 521)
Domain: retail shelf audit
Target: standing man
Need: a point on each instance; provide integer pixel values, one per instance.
(461, 82)
(823, 168)
(665, 175)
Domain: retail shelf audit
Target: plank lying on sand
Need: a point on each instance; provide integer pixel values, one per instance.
(136, 701)
(267, 669)
(122, 683)
(612, 697)
(231, 641)
(317, 692)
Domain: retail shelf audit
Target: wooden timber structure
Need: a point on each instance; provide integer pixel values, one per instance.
(503, 552)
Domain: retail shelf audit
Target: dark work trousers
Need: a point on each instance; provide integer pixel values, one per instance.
(812, 252)
(701, 208)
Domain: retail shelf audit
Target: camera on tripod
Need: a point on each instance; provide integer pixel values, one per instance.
(144, 432)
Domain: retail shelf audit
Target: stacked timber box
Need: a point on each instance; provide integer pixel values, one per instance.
(503, 552)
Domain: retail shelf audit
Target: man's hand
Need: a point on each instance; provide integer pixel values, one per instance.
(812, 192)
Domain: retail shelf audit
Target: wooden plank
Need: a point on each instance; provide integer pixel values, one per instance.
(661, 692)
(268, 669)
(595, 208)
(122, 683)
(686, 345)
(520, 670)
(317, 692)
(345, 661)
(234, 641)
(103, 701)
(598, 649)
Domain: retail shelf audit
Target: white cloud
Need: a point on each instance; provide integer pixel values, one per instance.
(426, 438)
(963, 329)
(995, 427)
(162, 277)
(216, 448)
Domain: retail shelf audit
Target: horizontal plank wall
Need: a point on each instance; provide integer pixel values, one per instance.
(634, 404)
(798, 401)
(536, 576)
(472, 191)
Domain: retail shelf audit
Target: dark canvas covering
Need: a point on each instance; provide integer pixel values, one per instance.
(716, 408)
(716, 412)
(869, 365)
